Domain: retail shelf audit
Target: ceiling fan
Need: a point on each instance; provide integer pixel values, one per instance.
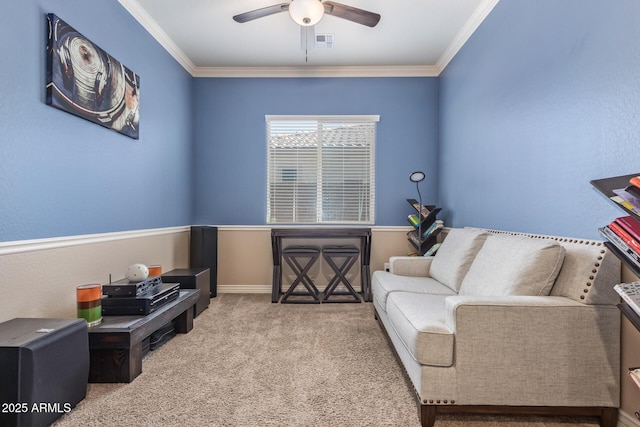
(309, 12)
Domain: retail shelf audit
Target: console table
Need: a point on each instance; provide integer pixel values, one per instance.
(361, 233)
(115, 345)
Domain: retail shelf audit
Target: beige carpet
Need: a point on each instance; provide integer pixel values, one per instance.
(248, 362)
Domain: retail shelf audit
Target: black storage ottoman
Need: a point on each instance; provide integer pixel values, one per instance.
(44, 366)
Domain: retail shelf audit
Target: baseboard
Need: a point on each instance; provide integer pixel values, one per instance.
(244, 289)
(253, 289)
(626, 420)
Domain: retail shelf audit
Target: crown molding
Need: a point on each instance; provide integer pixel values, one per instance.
(465, 33)
(338, 71)
(139, 14)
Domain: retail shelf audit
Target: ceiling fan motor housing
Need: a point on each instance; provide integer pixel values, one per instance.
(306, 12)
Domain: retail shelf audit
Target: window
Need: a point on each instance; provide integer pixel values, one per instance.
(320, 169)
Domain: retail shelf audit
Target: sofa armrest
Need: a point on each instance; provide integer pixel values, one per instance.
(554, 341)
(526, 312)
(456, 302)
(416, 266)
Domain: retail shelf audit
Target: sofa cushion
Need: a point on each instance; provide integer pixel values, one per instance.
(514, 265)
(419, 321)
(453, 259)
(383, 283)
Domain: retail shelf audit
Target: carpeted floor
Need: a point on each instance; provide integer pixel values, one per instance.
(249, 362)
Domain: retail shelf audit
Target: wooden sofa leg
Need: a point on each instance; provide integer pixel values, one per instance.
(609, 417)
(427, 415)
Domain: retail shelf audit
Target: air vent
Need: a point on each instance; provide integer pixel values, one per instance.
(324, 41)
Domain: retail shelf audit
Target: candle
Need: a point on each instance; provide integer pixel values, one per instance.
(90, 303)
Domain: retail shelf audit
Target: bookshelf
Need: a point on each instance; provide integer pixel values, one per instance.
(623, 257)
(630, 314)
(608, 187)
(634, 319)
(425, 223)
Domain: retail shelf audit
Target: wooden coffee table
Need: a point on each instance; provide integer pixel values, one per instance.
(115, 346)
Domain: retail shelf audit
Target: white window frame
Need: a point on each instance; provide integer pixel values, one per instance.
(286, 131)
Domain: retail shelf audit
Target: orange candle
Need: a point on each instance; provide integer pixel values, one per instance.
(155, 270)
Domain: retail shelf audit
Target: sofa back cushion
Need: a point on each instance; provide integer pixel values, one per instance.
(453, 259)
(588, 273)
(589, 269)
(514, 265)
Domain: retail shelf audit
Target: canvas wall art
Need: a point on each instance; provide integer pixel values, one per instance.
(84, 80)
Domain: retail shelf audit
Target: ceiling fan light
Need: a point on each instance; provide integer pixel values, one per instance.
(306, 12)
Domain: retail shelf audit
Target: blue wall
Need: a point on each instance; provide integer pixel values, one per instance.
(543, 98)
(61, 175)
(230, 141)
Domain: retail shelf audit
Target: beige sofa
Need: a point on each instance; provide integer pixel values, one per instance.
(501, 322)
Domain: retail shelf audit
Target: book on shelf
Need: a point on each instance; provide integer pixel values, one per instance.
(622, 233)
(627, 194)
(630, 225)
(633, 190)
(437, 224)
(630, 293)
(413, 220)
(433, 249)
(635, 181)
(426, 232)
(413, 236)
(425, 211)
(634, 373)
(630, 254)
(626, 200)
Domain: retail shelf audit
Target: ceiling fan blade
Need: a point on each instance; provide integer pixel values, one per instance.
(350, 13)
(260, 13)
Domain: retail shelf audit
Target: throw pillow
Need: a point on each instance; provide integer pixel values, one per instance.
(514, 265)
(455, 255)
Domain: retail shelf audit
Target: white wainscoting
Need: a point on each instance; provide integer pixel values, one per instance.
(38, 278)
(245, 262)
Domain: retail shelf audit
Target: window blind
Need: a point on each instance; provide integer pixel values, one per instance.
(321, 169)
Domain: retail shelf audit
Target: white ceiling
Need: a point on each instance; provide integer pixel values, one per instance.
(413, 37)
